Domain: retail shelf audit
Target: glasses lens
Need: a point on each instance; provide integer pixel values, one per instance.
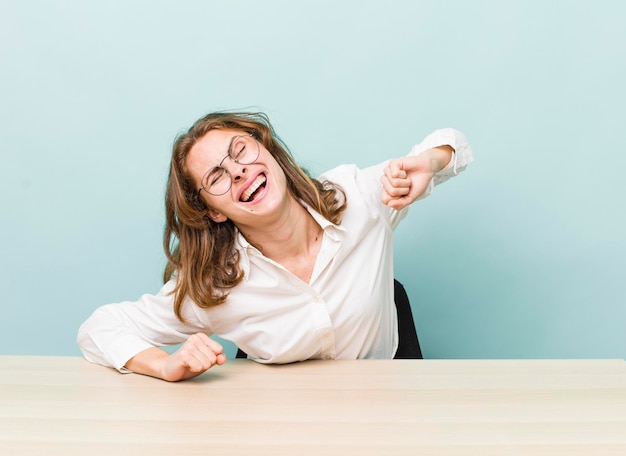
(216, 181)
(244, 150)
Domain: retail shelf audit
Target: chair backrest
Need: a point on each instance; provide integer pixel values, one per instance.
(408, 343)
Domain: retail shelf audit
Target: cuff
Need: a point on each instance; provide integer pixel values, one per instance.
(123, 349)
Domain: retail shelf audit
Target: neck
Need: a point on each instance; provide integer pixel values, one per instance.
(294, 234)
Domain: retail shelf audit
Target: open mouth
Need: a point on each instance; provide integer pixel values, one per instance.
(254, 189)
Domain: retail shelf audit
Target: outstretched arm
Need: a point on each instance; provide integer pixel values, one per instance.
(406, 179)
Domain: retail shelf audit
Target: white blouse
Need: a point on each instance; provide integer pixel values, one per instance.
(346, 311)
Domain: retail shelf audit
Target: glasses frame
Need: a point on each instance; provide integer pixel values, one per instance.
(229, 155)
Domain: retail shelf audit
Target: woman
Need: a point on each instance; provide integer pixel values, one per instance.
(287, 267)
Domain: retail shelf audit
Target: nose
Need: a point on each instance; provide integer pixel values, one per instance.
(236, 170)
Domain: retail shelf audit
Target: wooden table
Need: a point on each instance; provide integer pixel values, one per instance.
(66, 406)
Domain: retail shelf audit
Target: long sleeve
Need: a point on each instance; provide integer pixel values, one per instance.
(114, 333)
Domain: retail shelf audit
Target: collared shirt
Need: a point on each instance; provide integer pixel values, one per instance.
(346, 311)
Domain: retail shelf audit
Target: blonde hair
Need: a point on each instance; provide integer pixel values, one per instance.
(200, 252)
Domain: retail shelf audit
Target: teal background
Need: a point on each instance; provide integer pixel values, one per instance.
(521, 256)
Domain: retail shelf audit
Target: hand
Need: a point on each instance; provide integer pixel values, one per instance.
(197, 355)
(405, 179)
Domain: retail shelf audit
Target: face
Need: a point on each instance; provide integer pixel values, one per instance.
(258, 189)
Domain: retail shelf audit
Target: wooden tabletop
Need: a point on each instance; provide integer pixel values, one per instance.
(67, 406)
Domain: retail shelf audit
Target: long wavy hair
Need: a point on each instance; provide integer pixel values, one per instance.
(201, 252)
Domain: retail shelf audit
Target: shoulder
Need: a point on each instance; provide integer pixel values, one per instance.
(363, 190)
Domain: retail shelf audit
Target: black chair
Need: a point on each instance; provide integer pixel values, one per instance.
(408, 344)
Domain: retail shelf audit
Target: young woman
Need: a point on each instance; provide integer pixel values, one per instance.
(287, 267)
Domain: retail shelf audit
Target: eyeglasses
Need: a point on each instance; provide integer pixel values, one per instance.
(244, 150)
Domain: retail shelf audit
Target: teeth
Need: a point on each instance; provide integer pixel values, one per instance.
(260, 180)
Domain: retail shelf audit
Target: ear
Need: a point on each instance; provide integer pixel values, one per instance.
(216, 216)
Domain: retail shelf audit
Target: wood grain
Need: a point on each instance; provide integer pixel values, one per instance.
(67, 406)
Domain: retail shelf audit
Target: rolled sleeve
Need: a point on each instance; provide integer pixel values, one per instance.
(461, 157)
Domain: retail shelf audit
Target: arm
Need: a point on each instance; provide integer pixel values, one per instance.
(406, 179)
(125, 336)
(197, 355)
(440, 156)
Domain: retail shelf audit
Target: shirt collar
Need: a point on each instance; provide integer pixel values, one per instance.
(334, 232)
(330, 229)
